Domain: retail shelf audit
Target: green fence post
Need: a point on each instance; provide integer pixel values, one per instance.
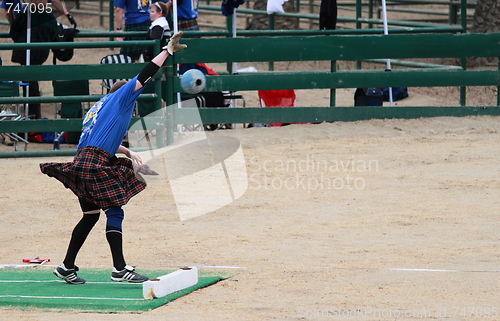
(463, 15)
(159, 96)
(358, 25)
(463, 60)
(159, 133)
(498, 87)
(101, 9)
(297, 10)
(111, 18)
(359, 6)
(229, 26)
(271, 27)
(169, 99)
(311, 11)
(463, 89)
(452, 14)
(333, 92)
(370, 13)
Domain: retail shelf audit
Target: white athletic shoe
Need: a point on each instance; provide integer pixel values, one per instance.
(68, 275)
(127, 274)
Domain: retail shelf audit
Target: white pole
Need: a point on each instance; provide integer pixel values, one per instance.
(28, 62)
(235, 64)
(176, 29)
(386, 32)
(174, 13)
(28, 34)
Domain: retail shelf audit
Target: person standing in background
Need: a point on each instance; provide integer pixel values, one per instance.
(159, 28)
(132, 15)
(187, 13)
(328, 14)
(12, 7)
(44, 29)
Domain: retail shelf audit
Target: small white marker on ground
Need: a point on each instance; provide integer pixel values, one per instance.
(170, 283)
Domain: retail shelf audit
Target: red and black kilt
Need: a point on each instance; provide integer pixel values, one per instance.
(188, 25)
(97, 177)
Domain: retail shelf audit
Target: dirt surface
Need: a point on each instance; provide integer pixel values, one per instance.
(369, 220)
(403, 219)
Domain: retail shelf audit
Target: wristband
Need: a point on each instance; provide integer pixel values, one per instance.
(147, 72)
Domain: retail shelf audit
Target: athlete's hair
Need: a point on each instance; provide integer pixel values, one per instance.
(117, 85)
(160, 6)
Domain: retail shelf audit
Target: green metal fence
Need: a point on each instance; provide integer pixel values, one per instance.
(425, 41)
(263, 49)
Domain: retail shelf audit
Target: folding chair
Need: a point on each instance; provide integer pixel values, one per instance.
(114, 59)
(277, 98)
(11, 89)
(211, 100)
(215, 100)
(70, 110)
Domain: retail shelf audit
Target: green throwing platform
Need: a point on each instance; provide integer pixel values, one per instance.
(32, 288)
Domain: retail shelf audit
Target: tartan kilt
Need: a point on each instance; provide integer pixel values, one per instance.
(98, 178)
(188, 25)
(137, 51)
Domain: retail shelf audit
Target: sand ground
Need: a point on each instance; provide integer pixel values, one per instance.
(403, 219)
(401, 224)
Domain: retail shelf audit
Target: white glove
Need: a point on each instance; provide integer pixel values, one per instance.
(174, 45)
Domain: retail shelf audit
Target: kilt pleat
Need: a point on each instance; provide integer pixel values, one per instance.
(97, 177)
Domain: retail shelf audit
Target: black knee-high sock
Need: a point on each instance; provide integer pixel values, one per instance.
(78, 237)
(115, 240)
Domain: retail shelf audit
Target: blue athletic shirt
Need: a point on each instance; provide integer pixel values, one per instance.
(188, 9)
(11, 4)
(106, 123)
(136, 11)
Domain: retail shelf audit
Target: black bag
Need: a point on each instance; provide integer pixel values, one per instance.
(398, 93)
(64, 35)
(214, 99)
(368, 97)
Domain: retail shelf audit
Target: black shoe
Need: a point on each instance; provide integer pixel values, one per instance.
(127, 274)
(68, 275)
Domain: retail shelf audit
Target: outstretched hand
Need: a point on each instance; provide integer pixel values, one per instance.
(135, 157)
(174, 45)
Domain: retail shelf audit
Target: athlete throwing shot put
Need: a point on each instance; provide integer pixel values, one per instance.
(98, 178)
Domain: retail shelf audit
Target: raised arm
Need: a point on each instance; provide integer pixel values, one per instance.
(155, 64)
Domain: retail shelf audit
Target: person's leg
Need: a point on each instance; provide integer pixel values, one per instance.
(135, 52)
(121, 271)
(67, 270)
(114, 236)
(91, 213)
